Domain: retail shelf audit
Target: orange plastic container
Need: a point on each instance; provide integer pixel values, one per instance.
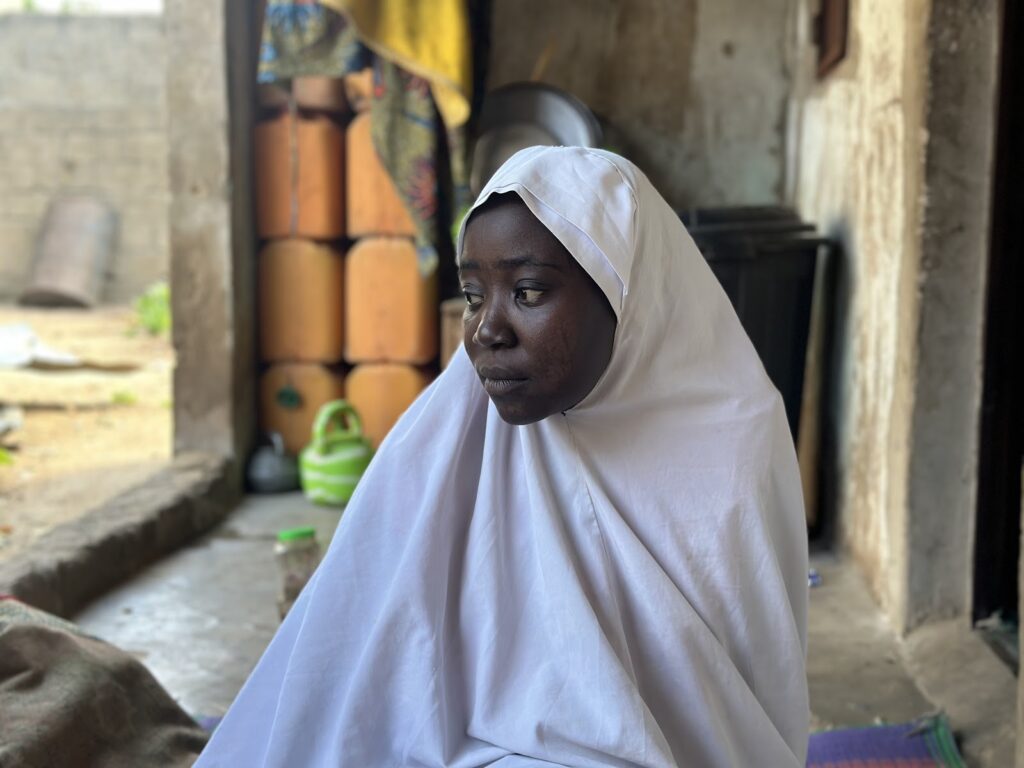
(290, 396)
(301, 302)
(273, 95)
(374, 207)
(380, 393)
(321, 94)
(326, 94)
(300, 189)
(359, 89)
(390, 307)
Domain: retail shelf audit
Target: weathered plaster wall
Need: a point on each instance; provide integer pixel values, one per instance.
(892, 154)
(857, 160)
(694, 91)
(82, 107)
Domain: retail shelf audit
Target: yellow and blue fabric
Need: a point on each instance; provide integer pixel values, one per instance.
(422, 81)
(428, 40)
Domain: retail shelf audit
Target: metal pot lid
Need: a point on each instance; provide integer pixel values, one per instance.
(521, 115)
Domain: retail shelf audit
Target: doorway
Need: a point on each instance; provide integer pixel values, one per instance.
(997, 547)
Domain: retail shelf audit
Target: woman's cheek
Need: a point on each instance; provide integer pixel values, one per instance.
(560, 346)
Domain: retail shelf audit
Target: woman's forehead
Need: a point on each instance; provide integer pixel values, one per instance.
(509, 233)
(509, 200)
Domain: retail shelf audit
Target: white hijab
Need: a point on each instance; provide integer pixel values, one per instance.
(623, 584)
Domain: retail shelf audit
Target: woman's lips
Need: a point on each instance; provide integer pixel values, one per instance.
(500, 381)
(498, 387)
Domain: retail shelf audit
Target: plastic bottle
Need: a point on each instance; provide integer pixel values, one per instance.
(298, 554)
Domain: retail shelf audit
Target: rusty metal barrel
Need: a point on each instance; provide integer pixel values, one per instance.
(73, 253)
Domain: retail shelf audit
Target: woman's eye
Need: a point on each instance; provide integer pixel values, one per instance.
(528, 295)
(473, 299)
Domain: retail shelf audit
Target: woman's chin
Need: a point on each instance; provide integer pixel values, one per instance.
(517, 414)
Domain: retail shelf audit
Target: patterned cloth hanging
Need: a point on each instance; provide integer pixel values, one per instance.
(303, 38)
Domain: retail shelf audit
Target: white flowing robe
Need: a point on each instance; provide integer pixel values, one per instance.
(624, 584)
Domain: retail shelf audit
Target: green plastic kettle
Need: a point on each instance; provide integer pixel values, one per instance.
(338, 454)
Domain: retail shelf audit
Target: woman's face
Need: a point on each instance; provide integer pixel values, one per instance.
(538, 330)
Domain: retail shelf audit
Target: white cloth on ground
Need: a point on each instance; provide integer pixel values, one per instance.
(623, 584)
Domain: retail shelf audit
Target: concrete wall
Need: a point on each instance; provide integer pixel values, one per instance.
(210, 82)
(694, 91)
(82, 106)
(960, 109)
(892, 154)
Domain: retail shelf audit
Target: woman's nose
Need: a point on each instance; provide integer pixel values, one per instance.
(494, 330)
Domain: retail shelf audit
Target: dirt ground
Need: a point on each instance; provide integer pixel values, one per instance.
(86, 435)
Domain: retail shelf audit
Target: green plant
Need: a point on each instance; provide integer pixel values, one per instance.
(123, 398)
(29, 6)
(5, 457)
(153, 310)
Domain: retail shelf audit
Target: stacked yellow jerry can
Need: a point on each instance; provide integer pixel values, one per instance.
(300, 218)
(344, 311)
(390, 307)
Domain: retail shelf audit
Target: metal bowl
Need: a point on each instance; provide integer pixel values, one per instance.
(521, 115)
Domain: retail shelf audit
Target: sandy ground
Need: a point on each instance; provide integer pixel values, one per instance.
(86, 435)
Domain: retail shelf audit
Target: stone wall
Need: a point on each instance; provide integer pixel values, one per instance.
(693, 91)
(82, 106)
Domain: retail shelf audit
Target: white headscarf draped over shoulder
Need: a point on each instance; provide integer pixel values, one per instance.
(624, 584)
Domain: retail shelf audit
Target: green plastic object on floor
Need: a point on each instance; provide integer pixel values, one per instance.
(296, 534)
(338, 454)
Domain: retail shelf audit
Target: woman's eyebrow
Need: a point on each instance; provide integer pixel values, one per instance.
(513, 263)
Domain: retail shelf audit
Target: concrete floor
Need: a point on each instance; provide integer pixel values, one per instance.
(214, 604)
(201, 618)
(855, 670)
(860, 673)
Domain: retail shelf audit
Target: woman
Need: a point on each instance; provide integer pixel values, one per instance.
(584, 544)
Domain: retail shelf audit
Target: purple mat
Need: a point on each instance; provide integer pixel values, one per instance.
(927, 743)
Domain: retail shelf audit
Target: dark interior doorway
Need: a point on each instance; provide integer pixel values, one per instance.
(997, 547)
